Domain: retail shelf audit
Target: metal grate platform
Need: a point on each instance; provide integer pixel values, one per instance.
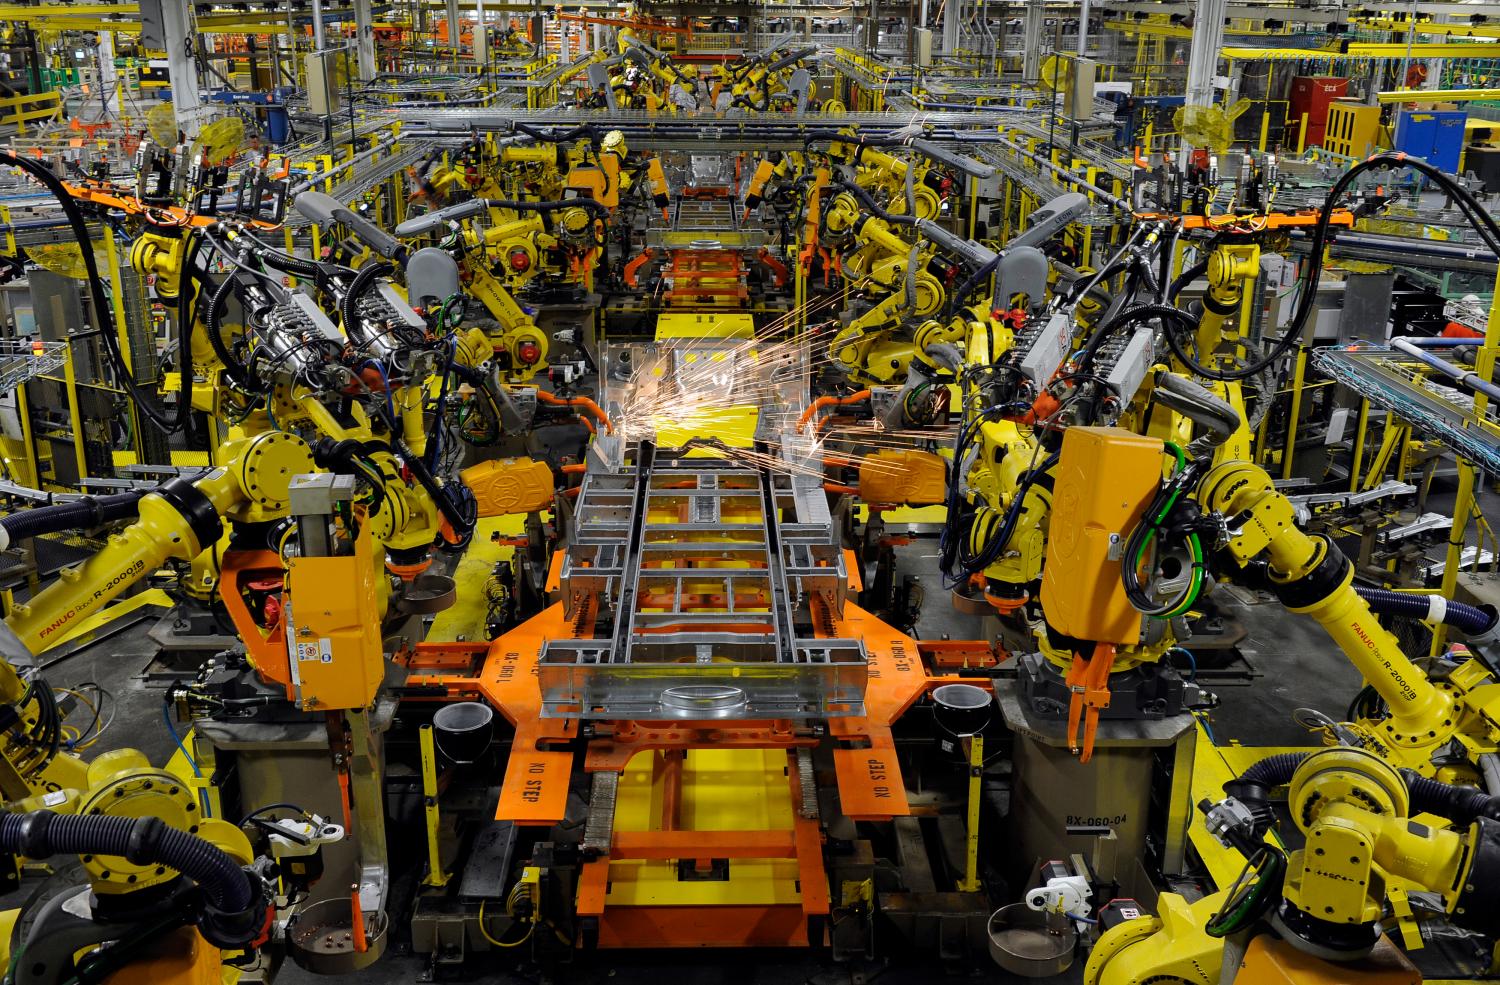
(708, 592)
(23, 359)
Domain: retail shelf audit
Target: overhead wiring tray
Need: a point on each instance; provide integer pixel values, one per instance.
(1398, 383)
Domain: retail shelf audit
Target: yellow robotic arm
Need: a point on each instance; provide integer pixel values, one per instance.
(887, 266)
(883, 171)
(1363, 851)
(1311, 576)
(179, 520)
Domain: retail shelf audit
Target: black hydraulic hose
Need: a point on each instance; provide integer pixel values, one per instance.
(1185, 278)
(84, 513)
(970, 283)
(349, 307)
(103, 312)
(188, 303)
(234, 911)
(1273, 771)
(1253, 787)
(1463, 805)
(214, 325)
(462, 525)
(1467, 619)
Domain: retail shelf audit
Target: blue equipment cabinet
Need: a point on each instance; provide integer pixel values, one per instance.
(1436, 136)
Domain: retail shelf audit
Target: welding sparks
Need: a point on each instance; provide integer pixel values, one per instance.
(692, 388)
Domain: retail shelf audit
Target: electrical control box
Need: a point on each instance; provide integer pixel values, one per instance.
(1436, 136)
(1105, 479)
(1310, 99)
(1353, 128)
(923, 42)
(1078, 98)
(323, 81)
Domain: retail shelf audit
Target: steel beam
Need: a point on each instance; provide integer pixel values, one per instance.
(1203, 54)
(364, 39)
(1036, 19)
(182, 70)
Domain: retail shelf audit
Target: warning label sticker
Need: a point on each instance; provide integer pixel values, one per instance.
(320, 650)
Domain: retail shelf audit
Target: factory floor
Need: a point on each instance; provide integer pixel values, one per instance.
(1292, 664)
(1288, 662)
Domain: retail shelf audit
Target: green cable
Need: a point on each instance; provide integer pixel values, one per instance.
(1195, 587)
(1177, 451)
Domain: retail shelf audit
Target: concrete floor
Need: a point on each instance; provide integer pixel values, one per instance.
(1292, 664)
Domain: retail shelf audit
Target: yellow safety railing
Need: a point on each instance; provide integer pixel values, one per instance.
(17, 111)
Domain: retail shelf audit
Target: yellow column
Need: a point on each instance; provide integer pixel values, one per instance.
(75, 419)
(1463, 506)
(122, 331)
(970, 881)
(435, 877)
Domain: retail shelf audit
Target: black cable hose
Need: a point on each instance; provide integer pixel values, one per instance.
(1174, 342)
(1273, 771)
(1253, 787)
(864, 198)
(288, 264)
(484, 390)
(462, 524)
(235, 911)
(1482, 222)
(585, 130)
(1167, 257)
(103, 313)
(972, 564)
(1135, 592)
(238, 373)
(1468, 619)
(555, 205)
(1463, 805)
(189, 298)
(958, 297)
(90, 511)
(349, 307)
(1185, 278)
(1147, 275)
(1130, 316)
(833, 136)
(348, 457)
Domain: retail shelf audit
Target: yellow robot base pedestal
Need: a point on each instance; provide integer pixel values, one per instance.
(1269, 961)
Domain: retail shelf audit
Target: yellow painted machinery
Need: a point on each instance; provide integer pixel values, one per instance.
(1318, 914)
(769, 82)
(180, 520)
(165, 892)
(1111, 551)
(644, 77)
(915, 297)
